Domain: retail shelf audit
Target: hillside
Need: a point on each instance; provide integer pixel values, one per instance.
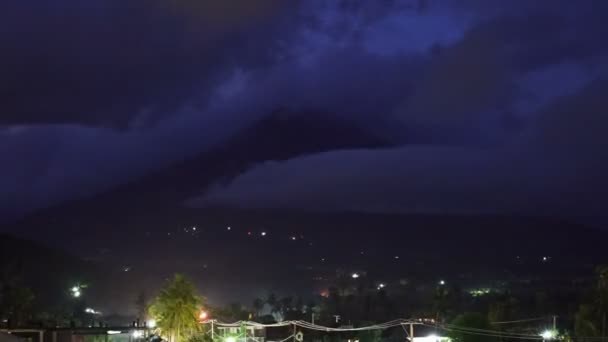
(48, 272)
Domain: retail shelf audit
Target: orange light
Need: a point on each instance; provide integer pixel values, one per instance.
(203, 315)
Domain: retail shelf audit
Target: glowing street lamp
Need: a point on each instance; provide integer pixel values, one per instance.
(203, 315)
(548, 335)
(355, 275)
(76, 291)
(151, 323)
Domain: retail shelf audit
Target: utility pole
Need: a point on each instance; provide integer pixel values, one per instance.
(411, 332)
(554, 323)
(604, 327)
(313, 319)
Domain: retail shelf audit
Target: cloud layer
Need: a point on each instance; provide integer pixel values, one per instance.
(555, 170)
(98, 93)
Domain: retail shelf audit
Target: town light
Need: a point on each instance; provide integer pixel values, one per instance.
(548, 334)
(76, 291)
(230, 339)
(151, 323)
(355, 275)
(203, 315)
(431, 338)
(442, 282)
(138, 334)
(92, 311)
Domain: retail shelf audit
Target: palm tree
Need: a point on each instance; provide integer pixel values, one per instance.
(584, 321)
(176, 309)
(258, 306)
(271, 300)
(286, 304)
(141, 303)
(602, 296)
(440, 302)
(274, 304)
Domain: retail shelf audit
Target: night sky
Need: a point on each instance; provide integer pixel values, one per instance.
(433, 107)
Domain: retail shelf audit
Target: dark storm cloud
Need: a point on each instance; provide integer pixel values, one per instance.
(556, 169)
(179, 76)
(479, 72)
(104, 62)
(507, 77)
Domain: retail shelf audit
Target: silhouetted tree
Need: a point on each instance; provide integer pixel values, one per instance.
(16, 299)
(471, 320)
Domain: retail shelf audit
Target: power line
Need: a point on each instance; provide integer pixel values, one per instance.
(489, 333)
(522, 320)
(451, 326)
(396, 323)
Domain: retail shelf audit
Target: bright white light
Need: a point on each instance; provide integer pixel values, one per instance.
(230, 339)
(114, 332)
(263, 234)
(548, 334)
(203, 315)
(76, 291)
(442, 282)
(430, 338)
(193, 229)
(229, 228)
(138, 334)
(355, 275)
(151, 323)
(381, 286)
(92, 311)
(293, 238)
